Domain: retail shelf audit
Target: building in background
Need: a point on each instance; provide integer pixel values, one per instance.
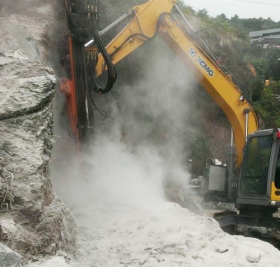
(266, 38)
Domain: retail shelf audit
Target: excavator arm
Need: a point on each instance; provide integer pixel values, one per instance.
(155, 17)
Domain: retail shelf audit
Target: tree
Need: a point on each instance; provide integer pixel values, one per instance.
(222, 17)
(202, 13)
(269, 108)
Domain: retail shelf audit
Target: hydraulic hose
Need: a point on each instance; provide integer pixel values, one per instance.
(112, 73)
(111, 70)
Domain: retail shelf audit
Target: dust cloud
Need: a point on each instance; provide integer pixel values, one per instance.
(23, 7)
(140, 152)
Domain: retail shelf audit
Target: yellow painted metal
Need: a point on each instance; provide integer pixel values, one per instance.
(147, 15)
(274, 197)
(219, 86)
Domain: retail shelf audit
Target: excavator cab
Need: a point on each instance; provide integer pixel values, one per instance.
(257, 172)
(254, 171)
(259, 182)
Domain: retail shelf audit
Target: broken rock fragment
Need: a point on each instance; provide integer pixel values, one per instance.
(254, 256)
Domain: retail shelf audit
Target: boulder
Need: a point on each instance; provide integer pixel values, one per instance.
(33, 221)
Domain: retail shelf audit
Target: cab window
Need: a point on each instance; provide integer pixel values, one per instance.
(277, 172)
(254, 171)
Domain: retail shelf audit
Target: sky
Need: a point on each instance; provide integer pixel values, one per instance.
(243, 8)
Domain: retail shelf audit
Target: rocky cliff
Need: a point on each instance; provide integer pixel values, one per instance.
(33, 220)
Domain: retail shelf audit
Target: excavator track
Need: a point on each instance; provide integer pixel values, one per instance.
(229, 220)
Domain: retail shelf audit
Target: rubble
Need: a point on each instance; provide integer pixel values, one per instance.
(124, 220)
(113, 238)
(52, 262)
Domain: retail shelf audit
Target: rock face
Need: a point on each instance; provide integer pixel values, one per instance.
(33, 221)
(17, 40)
(9, 258)
(26, 28)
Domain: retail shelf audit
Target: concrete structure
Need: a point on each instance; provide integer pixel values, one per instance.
(266, 38)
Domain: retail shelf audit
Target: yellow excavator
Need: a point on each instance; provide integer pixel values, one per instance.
(257, 186)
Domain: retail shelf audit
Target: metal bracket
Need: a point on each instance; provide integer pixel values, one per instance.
(130, 13)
